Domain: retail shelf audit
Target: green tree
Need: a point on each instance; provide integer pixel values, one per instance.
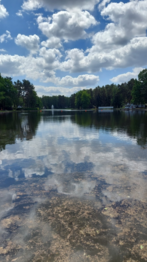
(20, 93)
(130, 85)
(139, 91)
(142, 77)
(136, 93)
(117, 100)
(61, 101)
(86, 99)
(7, 93)
(39, 102)
(28, 93)
(72, 100)
(82, 99)
(78, 99)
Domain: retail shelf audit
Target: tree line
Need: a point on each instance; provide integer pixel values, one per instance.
(18, 94)
(22, 93)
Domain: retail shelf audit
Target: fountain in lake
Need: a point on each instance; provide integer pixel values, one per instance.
(52, 107)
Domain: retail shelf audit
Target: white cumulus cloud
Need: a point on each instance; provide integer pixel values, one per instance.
(58, 90)
(5, 37)
(128, 21)
(3, 11)
(131, 54)
(30, 42)
(121, 44)
(127, 76)
(66, 25)
(52, 42)
(81, 80)
(35, 68)
(67, 85)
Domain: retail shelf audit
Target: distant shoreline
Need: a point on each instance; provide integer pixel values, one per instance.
(5, 112)
(73, 110)
(134, 109)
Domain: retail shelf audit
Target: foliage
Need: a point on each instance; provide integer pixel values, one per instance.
(26, 95)
(57, 101)
(78, 99)
(22, 93)
(136, 93)
(7, 93)
(18, 94)
(142, 77)
(86, 99)
(139, 91)
(82, 99)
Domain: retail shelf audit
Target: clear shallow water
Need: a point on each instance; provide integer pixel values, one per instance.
(73, 186)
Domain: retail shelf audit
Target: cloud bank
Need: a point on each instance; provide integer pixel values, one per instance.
(58, 48)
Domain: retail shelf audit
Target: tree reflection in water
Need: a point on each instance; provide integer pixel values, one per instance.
(75, 191)
(17, 126)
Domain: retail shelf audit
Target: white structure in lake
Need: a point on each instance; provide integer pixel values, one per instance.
(52, 107)
(105, 108)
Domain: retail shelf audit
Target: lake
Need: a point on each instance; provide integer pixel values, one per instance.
(73, 186)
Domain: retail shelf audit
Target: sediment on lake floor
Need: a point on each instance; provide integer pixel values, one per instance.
(68, 229)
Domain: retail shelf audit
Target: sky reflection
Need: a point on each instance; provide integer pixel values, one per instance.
(62, 166)
(64, 148)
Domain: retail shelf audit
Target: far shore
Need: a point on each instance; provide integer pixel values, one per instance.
(79, 110)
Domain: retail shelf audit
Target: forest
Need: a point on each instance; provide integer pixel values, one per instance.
(18, 94)
(22, 94)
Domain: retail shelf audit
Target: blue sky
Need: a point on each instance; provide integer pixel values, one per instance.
(65, 46)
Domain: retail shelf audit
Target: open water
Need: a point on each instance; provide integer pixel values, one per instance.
(73, 186)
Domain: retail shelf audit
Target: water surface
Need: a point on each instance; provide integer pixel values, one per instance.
(73, 186)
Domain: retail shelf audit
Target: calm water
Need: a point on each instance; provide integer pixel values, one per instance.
(73, 187)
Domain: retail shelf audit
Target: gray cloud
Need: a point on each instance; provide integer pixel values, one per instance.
(52, 42)
(58, 4)
(50, 55)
